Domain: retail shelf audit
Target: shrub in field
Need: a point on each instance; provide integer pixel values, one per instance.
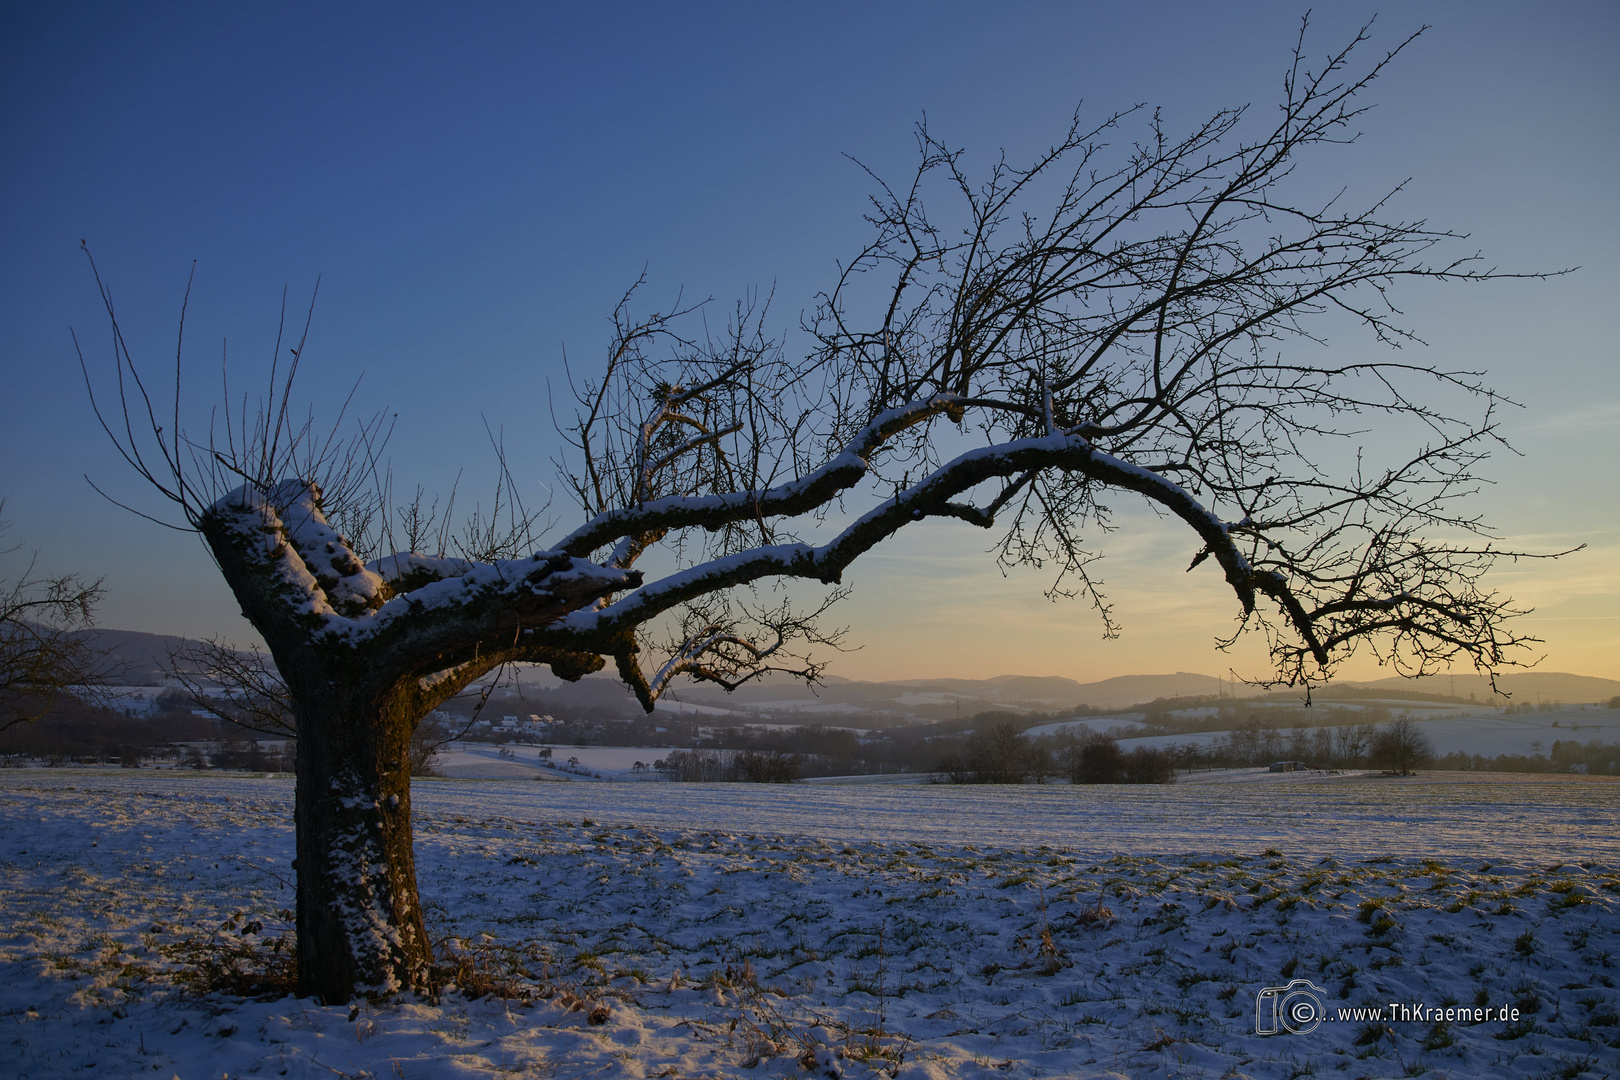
(1145, 765)
(1402, 747)
(719, 766)
(765, 767)
(694, 766)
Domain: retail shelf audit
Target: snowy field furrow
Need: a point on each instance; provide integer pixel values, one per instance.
(863, 929)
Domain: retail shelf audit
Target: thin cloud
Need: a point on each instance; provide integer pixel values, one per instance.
(1591, 416)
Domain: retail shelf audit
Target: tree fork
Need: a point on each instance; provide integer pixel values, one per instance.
(358, 685)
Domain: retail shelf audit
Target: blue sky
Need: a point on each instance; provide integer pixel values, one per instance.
(476, 188)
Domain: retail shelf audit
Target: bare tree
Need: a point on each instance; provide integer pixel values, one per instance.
(43, 648)
(236, 686)
(364, 651)
(1095, 759)
(1402, 747)
(242, 688)
(1113, 320)
(1352, 741)
(997, 754)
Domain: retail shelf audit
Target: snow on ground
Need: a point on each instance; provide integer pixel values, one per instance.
(800, 705)
(1490, 733)
(1520, 733)
(1079, 725)
(471, 760)
(1452, 728)
(138, 700)
(862, 930)
(670, 705)
(857, 731)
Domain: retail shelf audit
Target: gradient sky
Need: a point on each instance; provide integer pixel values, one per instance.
(475, 188)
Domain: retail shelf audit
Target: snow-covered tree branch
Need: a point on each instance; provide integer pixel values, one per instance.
(1118, 318)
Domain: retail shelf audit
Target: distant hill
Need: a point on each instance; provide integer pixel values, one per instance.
(138, 658)
(1125, 690)
(782, 697)
(145, 660)
(1531, 686)
(142, 659)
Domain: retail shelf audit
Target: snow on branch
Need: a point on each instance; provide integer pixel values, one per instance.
(298, 571)
(1066, 452)
(803, 495)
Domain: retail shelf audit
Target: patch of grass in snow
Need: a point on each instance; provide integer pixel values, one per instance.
(1194, 977)
(1094, 917)
(1439, 1037)
(238, 959)
(1381, 925)
(1517, 1030)
(1371, 1032)
(1289, 901)
(1569, 1068)
(1568, 901)
(1600, 1012)
(484, 967)
(589, 959)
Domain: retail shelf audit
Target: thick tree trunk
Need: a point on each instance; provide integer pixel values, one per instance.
(360, 930)
(362, 665)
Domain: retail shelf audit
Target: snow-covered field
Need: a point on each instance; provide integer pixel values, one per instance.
(1452, 729)
(909, 930)
(470, 760)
